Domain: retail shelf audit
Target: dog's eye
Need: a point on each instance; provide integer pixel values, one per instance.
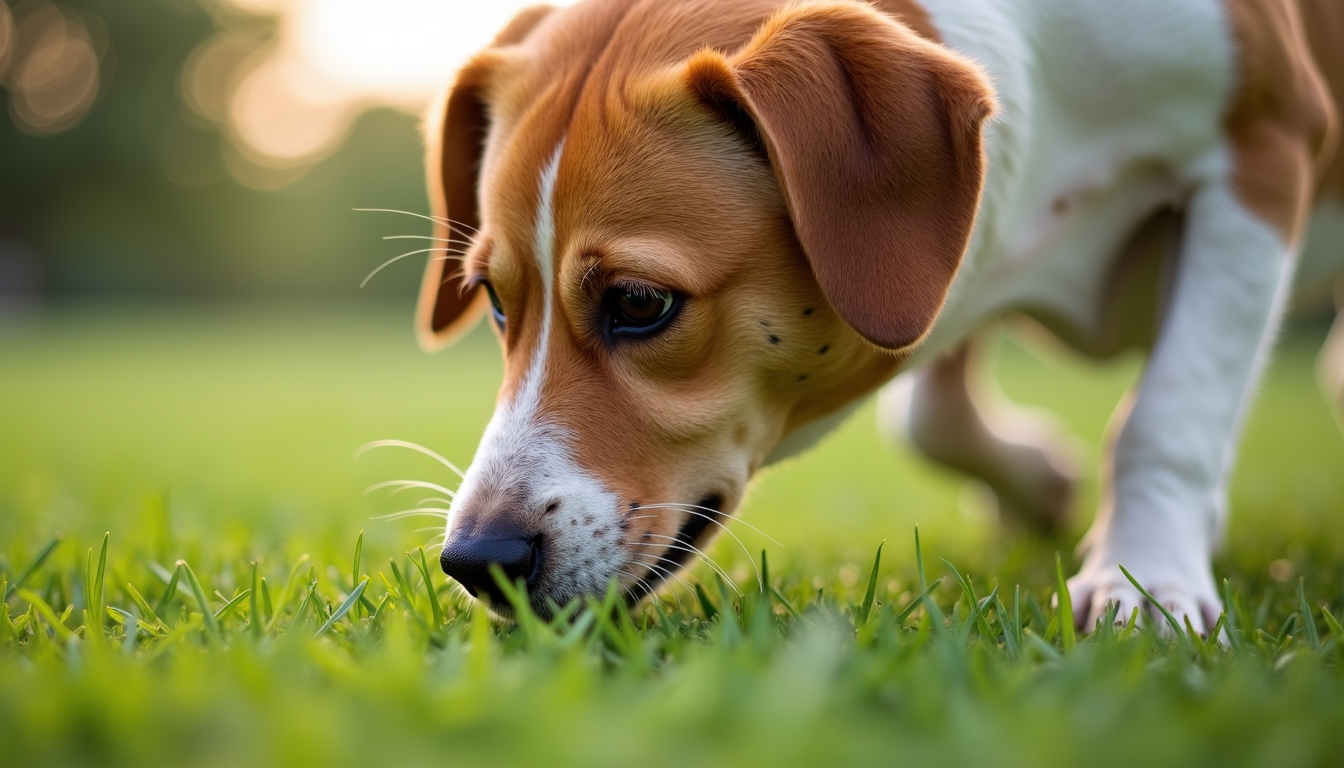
(496, 309)
(639, 310)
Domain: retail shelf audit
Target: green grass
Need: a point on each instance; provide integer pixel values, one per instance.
(202, 441)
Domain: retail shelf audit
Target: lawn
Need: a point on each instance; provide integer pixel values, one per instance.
(204, 439)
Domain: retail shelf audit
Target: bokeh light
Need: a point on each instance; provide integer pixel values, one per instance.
(54, 62)
(286, 100)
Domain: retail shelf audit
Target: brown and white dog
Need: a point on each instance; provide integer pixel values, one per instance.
(705, 229)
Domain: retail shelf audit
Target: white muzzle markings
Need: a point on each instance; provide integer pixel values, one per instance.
(524, 461)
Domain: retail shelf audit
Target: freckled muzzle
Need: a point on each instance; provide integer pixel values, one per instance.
(467, 559)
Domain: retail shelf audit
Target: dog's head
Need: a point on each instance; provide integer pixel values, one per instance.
(699, 229)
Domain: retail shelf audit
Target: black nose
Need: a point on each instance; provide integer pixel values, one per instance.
(468, 559)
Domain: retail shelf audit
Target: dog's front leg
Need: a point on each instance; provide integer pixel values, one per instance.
(1163, 511)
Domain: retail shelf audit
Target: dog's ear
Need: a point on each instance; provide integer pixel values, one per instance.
(456, 138)
(874, 134)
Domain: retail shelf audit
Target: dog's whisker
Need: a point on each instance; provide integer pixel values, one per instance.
(668, 574)
(648, 587)
(713, 564)
(436, 219)
(442, 514)
(411, 446)
(641, 584)
(405, 485)
(720, 513)
(439, 499)
(671, 570)
(653, 566)
(680, 546)
(449, 240)
(683, 508)
(394, 260)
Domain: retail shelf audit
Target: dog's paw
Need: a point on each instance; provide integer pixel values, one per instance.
(1096, 587)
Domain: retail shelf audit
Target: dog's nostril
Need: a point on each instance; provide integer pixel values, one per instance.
(467, 559)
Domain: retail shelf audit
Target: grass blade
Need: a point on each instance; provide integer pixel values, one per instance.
(266, 603)
(1066, 624)
(784, 601)
(345, 606)
(1219, 627)
(55, 622)
(93, 589)
(705, 604)
(171, 591)
(765, 574)
(1308, 621)
(354, 571)
(1017, 613)
(285, 593)
(33, 565)
(977, 618)
(973, 602)
(403, 599)
(1233, 633)
(871, 592)
(230, 605)
(143, 605)
(1336, 632)
(254, 607)
(919, 562)
(359, 552)
(435, 609)
(1009, 634)
(1171, 620)
(208, 616)
(97, 594)
(909, 609)
(1197, 642)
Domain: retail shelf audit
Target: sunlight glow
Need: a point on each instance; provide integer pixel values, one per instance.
(288, 101)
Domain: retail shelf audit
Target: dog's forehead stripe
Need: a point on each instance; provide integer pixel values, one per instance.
(543, 245)
(543, 249)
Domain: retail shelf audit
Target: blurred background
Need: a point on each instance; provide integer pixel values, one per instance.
(187, 360)
(216, 147)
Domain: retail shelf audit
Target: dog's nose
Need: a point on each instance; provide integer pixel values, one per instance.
(468, 559)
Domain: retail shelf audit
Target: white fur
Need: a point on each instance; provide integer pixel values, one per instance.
(1174, 452)
(1110, 110)
(521, 452)
(1109, 107)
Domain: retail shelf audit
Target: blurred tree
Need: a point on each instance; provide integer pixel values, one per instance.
(135, 198)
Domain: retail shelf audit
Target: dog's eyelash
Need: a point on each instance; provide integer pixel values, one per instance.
(640, 289)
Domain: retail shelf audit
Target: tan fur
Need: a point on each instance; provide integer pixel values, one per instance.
(760, 347)
(1323, 22)
(881, 172)
(1282, 121)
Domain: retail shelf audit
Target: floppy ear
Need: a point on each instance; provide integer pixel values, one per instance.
(456, 142)
(875, 138)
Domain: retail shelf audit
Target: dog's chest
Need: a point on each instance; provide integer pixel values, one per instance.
(1109, 111)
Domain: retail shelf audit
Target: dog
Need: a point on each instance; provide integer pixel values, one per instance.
(704, 230)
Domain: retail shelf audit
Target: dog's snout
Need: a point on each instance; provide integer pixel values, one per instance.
(467, 559)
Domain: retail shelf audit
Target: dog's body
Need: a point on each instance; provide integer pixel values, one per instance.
(708, 229)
